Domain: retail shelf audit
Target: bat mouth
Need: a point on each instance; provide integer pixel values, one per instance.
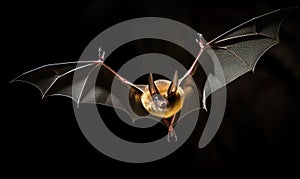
(163, 104)
(160, 109)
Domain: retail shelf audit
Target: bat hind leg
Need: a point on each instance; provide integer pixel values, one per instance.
(171, 131)
(171, 134)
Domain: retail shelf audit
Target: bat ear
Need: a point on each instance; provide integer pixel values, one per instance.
(152, 87)
(173, 86)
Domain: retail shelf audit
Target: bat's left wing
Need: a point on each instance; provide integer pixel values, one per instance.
(232, 54)
(238, 50)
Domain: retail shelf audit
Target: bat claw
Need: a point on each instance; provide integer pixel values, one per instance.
(171, 134)
(200, 40)
(101, 54)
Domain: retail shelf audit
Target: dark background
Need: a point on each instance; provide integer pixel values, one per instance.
(259, 132)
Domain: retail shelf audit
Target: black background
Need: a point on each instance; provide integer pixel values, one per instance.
(259, 132)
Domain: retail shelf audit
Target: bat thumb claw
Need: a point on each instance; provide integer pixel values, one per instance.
(101, 54)
(200, 40)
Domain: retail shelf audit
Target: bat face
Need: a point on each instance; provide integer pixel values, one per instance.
(163, 104)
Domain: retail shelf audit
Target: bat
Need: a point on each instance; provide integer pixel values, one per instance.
(237, 51)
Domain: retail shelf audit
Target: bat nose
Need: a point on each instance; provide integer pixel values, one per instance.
(163, 104)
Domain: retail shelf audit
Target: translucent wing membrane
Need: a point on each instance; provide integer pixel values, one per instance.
(91, 84)
(239, 49)
(56, 79)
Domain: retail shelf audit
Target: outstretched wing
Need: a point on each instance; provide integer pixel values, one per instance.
(239, 49)
(232, 54)
(84, 82)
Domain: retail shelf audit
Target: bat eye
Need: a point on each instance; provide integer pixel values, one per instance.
(155, 99)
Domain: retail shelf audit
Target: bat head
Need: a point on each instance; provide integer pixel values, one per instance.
(163, 98)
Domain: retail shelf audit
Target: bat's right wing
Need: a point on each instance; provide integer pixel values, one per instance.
(91, 84)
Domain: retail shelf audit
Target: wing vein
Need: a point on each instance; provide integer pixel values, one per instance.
(44, 94)
(236, 55)
(85, 80)
(237, 37)
(59, 76)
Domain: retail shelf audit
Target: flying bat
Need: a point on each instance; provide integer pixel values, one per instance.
(237, 51)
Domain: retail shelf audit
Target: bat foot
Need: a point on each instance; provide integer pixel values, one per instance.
(171, 134)
(101, 54)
